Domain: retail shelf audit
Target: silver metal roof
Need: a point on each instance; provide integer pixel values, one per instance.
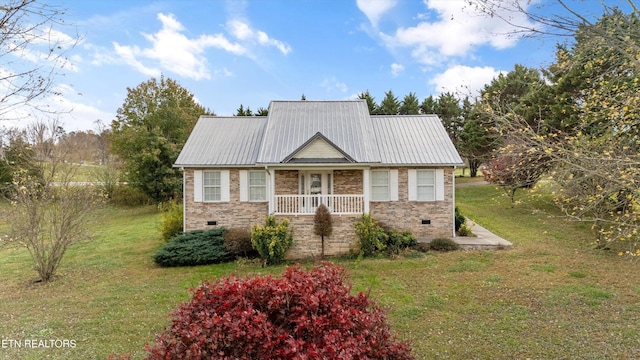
(381, 139)
(414, 139)
(292, 123)
(218, 141)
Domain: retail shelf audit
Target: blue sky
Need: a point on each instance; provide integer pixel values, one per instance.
(229, 53)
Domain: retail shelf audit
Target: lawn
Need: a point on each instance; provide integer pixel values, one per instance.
(550, 296)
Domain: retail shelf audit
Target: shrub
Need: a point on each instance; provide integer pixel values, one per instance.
(271, 240)
(465, 230)
(399, 240)
(443, 244)
(197, 247)
(372, 236)
(172, 219)
(459, 219)
(322, 223)
(303, 315)
(237, 241)
(126, 195)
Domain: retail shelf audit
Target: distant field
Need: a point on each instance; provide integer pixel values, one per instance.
(551, 296)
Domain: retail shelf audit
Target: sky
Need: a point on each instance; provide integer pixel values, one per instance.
(250, 52)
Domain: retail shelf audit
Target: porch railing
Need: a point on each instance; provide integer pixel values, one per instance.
(307, 204)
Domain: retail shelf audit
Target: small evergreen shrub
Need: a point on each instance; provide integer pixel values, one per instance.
(372, 237)
(237, 241)
(459, 219)
(399, 240)
(199, 247)
(443, 244)
(303, 315)
(272, 240)
(172, 219)
(465, 230)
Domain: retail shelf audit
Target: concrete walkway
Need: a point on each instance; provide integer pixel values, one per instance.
(484, 239)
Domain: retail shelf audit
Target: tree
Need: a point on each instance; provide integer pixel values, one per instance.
(29, 29)
(149, 131)
(322, 224)
(477, 137)
(389, 105)
(448, 109)
(49, 212)
(371, 102)
(592, 137)
(410, 105)
(244, 112)
(428, 105)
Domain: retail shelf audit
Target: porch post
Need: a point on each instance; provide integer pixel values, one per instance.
(365, 189)
(271, 189)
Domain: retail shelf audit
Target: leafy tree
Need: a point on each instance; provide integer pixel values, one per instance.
(371, 102)
(389, 105)
(149, 131)
(322, 224)
(27, 28)
(410, 105)
(592, 142)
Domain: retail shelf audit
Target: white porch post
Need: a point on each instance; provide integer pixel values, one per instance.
(366, 189)
(271, 186)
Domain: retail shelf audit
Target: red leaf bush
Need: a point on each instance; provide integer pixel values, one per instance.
(303, 315)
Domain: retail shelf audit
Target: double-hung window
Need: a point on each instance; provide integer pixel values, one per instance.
(211, 186)
(380, 185)
(257, 186)
(426, 185)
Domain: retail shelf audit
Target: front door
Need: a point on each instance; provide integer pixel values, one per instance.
(317, 183)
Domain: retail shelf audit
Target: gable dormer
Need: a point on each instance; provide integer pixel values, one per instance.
(317, 150)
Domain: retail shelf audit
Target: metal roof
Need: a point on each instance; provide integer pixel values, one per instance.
(414, 139)
(223, 141)
(292, 123)
(347, 125)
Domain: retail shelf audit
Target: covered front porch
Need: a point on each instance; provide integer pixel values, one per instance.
(301, 191)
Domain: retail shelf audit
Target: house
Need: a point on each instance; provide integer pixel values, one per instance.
(400, 169)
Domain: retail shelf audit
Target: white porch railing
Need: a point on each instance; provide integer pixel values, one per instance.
(307, 204)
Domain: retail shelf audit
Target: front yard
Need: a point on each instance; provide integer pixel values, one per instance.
(550, 296)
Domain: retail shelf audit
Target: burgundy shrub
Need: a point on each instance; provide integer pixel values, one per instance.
(306, 314)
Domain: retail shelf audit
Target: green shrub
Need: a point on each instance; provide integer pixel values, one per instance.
(197, 247)
(465, 230)
(237, 241)
(443, 244)
(271, 240)
(172, 219)
(127, 195)
(372, 237)
(459, 219)
(398, 240)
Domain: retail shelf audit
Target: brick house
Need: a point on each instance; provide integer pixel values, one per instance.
(400, 169)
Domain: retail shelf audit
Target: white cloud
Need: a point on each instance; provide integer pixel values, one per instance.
(396, 69)
(171, 50)
(374, 9)
(242, 31)
(458, 30)
(464, 80)
(331, 84)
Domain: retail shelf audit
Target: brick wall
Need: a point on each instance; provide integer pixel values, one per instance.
(347, 182)
(408, 215)
(397, 214)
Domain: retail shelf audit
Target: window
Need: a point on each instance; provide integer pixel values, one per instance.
(257, 186)
(426, 185)
(380, 185)
(212, 186)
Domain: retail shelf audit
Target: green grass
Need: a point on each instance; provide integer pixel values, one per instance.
(550, 296)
